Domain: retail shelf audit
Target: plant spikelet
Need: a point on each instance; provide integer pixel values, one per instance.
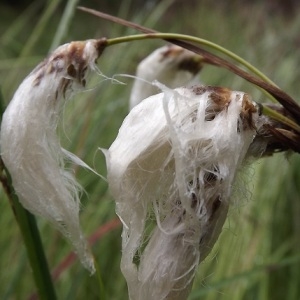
(30, 147)
(171, 168)
(171, 65)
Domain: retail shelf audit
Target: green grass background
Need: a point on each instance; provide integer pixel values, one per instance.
(258, 253)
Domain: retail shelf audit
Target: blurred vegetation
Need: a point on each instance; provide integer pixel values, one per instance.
(258, 254)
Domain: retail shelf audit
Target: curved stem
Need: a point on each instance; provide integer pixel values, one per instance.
(263, 82)
(192, 39)
(265, 110)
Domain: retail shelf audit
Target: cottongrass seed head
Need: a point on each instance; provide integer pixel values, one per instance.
(172, 166)
(171, 65)
(30, 147)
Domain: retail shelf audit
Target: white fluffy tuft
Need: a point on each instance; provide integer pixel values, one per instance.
(171, 65)
(175, 157)
(30, 147)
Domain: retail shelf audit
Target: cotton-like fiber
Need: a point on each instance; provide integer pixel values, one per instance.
(30, 147)
(171, 65)
(171, 170)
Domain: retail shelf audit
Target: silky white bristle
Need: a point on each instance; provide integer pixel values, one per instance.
(175, 157)
(171, 65)
(30, 147)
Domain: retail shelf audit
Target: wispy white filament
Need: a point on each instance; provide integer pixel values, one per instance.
(171, 168)
(30, 147)
(170, 65)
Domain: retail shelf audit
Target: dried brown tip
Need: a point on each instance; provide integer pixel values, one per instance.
(246, 115)
(220, 96)
(188, 62)
(101, 44)
(70, 62)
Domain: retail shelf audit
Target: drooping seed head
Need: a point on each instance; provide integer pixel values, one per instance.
(175, 160)
(30, 147)
(171, 65)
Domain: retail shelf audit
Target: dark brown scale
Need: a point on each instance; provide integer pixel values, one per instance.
(71, 71)
(191, 65)
(100, 46)
(246, 114)
(194, 200)
(64, 84)
(219, 95)
(75, 52)
(220, 99)
(75, 55)
(171, 51)
(215, 206)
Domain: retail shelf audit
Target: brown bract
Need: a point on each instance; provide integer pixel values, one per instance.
(70, 59)
(190, 63)
(246, 114)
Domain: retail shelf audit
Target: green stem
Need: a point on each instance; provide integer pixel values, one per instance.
(196, 40)
(192, 39)
(30, 234)
(265, 110)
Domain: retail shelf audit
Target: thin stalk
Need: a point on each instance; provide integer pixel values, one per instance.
(192, 39)
(216, 47)
(265, 110)
(30, 234)
(270, 89)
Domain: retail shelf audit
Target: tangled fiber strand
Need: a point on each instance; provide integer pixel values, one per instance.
(177, 154)
(30, 147)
